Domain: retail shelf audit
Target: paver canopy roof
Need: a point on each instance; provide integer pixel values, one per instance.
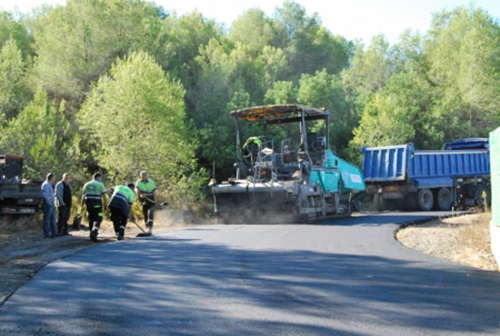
(273, 112)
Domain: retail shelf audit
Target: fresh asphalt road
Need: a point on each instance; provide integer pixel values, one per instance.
(341, 277)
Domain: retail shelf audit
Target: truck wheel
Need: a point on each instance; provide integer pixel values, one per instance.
(425, 199)
(379, 202)
(478, 195)
(443, 199)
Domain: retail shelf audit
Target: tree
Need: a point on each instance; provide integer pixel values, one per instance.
(369, 72)
(370, 68)
(17, 31)
(412, 93)
(413, 96)
(14, 92)
(210, 93)
(316, 90)
(77, 43)
(275, 63)
(282, 92)
(462, 48)
(309, 47)
(325, 90)
(213, 97)
(182, 40)
(254, 30)
(402, 110)
(135, 119)
(408, 54)
(250, 74)
(382, 125)
(43, 135)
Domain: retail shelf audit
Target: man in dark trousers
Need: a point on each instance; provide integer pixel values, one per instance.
(94, 193)
(63, 202)
(146, 190)
(120, 206)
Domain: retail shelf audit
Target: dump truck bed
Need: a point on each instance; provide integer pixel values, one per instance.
(426, 167)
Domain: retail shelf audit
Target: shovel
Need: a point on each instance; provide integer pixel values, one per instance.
(156, 203)
(144, 233)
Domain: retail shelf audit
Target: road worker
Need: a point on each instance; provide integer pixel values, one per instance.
(120, 206)
(146, 191)
(94, 194)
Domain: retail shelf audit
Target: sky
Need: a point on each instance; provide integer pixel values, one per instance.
(353, 19)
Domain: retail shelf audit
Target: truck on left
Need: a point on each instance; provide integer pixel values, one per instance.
(18, 196)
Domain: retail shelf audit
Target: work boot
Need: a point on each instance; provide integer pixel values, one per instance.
(150, 227)
(93, 235)
(121, 233)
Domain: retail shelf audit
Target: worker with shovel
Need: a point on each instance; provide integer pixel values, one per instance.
(94, 192)
(120, 206)
(146, 190)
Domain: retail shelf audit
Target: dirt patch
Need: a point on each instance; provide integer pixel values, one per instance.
(24, 250)
(464, 240)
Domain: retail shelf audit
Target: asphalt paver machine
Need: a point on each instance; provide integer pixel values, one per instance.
(289, 174)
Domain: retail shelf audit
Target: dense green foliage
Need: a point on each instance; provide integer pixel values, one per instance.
(43, 135)
(135, 118)
(124, 85)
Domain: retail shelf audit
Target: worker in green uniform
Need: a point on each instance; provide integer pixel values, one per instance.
(146, 191)
(120, 206)
(94, 194)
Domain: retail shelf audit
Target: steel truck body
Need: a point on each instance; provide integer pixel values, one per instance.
(405, 178)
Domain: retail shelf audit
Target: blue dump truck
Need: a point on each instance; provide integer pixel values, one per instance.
(401, 177)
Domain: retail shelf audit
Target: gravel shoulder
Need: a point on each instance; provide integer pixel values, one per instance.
(463, 239)
(24, 250)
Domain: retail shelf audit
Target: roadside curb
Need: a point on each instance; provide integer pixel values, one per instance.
(428, 219)
(431, 218)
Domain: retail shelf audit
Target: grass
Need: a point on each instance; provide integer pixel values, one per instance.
(472, 235)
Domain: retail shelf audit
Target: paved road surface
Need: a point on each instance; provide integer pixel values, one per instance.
(341, 277)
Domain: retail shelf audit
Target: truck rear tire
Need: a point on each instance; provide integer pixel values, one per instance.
(425, 199)
(443, 199)
(478, 195)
